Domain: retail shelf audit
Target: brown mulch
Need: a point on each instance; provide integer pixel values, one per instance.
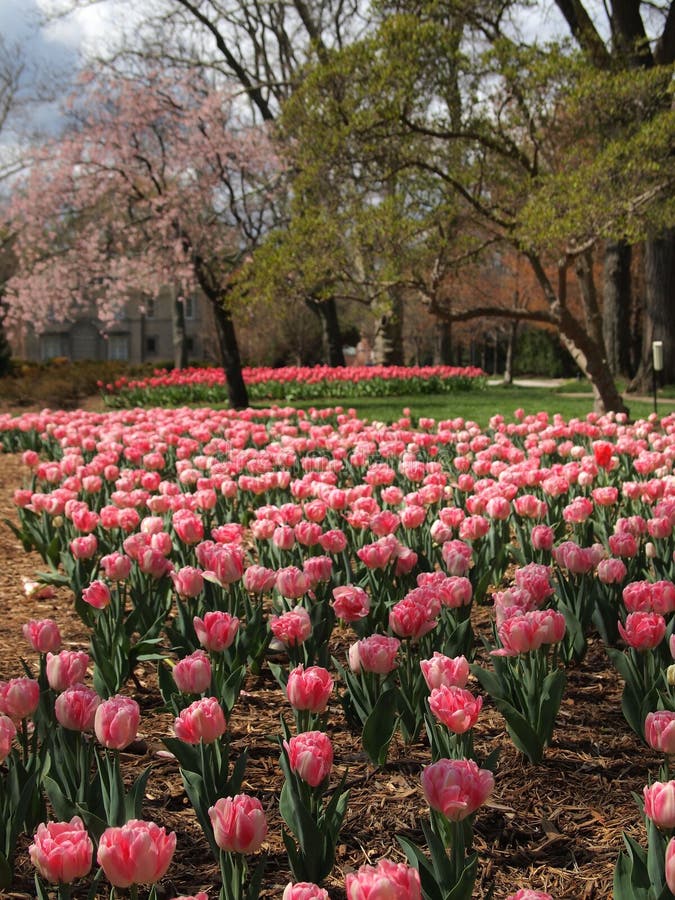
(555, 826)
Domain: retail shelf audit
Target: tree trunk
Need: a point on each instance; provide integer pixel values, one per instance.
(659, 320)
(180, 354)
(616, 306)
(510, 347)
(443, 344)
(228, 345)
(388, 347)
(584, 342)
(237, 394)
(326, 310)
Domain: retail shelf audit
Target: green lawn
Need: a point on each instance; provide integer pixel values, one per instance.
(479, 406)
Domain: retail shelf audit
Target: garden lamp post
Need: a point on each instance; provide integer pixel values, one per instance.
(657, 364)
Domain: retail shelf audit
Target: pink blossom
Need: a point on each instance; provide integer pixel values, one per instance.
(43, 635)
(456, 787)
(203, 720)
(455, 707)
(310, 756)
(292, 627)
(309, 688)
(239, 823)
(444, 670)
(135, 853)
(66, 668)
(75, 708)
(62, 851)
(216, 631)
(116, 722)
(350, 603)
(394, 881)
(192, 674)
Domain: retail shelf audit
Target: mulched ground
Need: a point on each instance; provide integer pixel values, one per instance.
(555, 826)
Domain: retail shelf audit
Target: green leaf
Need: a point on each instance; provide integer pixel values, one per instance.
(6, 873)
(379, 727)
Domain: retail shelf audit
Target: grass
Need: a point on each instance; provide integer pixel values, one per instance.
(479, 406)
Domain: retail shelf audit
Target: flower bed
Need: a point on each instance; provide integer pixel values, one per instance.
(207, 385)
(224, 548)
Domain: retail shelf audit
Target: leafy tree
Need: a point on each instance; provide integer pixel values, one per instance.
(635, 61)
(157, 182)
(442, 104)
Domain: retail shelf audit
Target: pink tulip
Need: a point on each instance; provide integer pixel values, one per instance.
(457, 556)
(259, 580)
(292, 582)
(527, 894)
(333, 541)
(379, 554)
(376, 653)
(309, 688)
(62, 851)
(188, 526)
(66, 668)
(43, 635)
(192, 674)
(318, 569)
(84, 547)
(660, 730)
(411, 617)
(283, 537)
(116, 722)
(443, 670)
(292, 627)
(135, 853)
(643, 630)
(76, 707)
(663, 597)
(153, 562)
(116, 566)
(310, 756)
(203, 720)
(542, 537)
(536, 580)
(611, 571)
(239, 823)
(455, 707)
(97, 594)
(670, 865)
(385, 881)
(456, 787)
(7, 734)
(188, 581)
(623, 544)
(350, 603)
(19, 698)
(224, 561)
(216, 631)
(659, 800)
(202, 895)
(304, 890)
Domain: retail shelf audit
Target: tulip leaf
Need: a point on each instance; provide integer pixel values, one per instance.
(6, 873)
(379, 727)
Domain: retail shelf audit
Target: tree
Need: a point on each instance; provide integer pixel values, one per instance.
(642, 39)
(157, 182)
(441, 101)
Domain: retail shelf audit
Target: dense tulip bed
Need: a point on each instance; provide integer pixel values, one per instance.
(214, 543)
(208, 385)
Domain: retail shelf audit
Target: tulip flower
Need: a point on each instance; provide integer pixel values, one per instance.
(396, 881)
(135, 853)
(62, 851)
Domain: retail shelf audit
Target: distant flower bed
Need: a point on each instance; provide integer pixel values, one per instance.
(208, 385)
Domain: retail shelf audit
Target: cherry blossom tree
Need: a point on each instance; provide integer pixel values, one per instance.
(157, 181)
